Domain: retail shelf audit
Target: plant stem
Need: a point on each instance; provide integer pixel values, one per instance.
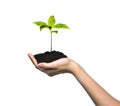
(51, 41)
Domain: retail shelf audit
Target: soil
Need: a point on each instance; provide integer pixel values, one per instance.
(49, 56)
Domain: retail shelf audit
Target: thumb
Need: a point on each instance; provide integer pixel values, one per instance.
(47, 66)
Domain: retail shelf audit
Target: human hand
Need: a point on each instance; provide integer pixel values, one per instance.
(62, 65)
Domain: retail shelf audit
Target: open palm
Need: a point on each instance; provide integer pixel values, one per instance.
(59, 66)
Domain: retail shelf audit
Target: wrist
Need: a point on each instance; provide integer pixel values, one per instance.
(74, 67)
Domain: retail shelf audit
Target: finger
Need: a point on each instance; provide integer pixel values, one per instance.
(51, 73)
(34, 61)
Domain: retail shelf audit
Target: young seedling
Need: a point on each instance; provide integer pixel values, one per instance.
(52, 26)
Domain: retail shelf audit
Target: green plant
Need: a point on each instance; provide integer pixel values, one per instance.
(52, 26)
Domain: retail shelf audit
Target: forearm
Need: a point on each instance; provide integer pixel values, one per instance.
(99, 96)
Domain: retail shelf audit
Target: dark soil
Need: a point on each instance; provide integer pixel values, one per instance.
(49, 56)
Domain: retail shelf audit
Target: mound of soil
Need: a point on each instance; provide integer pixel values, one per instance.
(49, 56)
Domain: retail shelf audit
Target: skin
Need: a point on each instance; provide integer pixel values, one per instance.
(99, 96)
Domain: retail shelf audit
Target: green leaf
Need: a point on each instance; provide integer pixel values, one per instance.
(51, 21)
(59, 25)
(39, 23)
(43, 26)
(55, 32)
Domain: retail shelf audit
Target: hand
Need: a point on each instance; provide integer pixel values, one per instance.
(59, 66)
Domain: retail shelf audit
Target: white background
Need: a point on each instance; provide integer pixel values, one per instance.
(93, 41)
